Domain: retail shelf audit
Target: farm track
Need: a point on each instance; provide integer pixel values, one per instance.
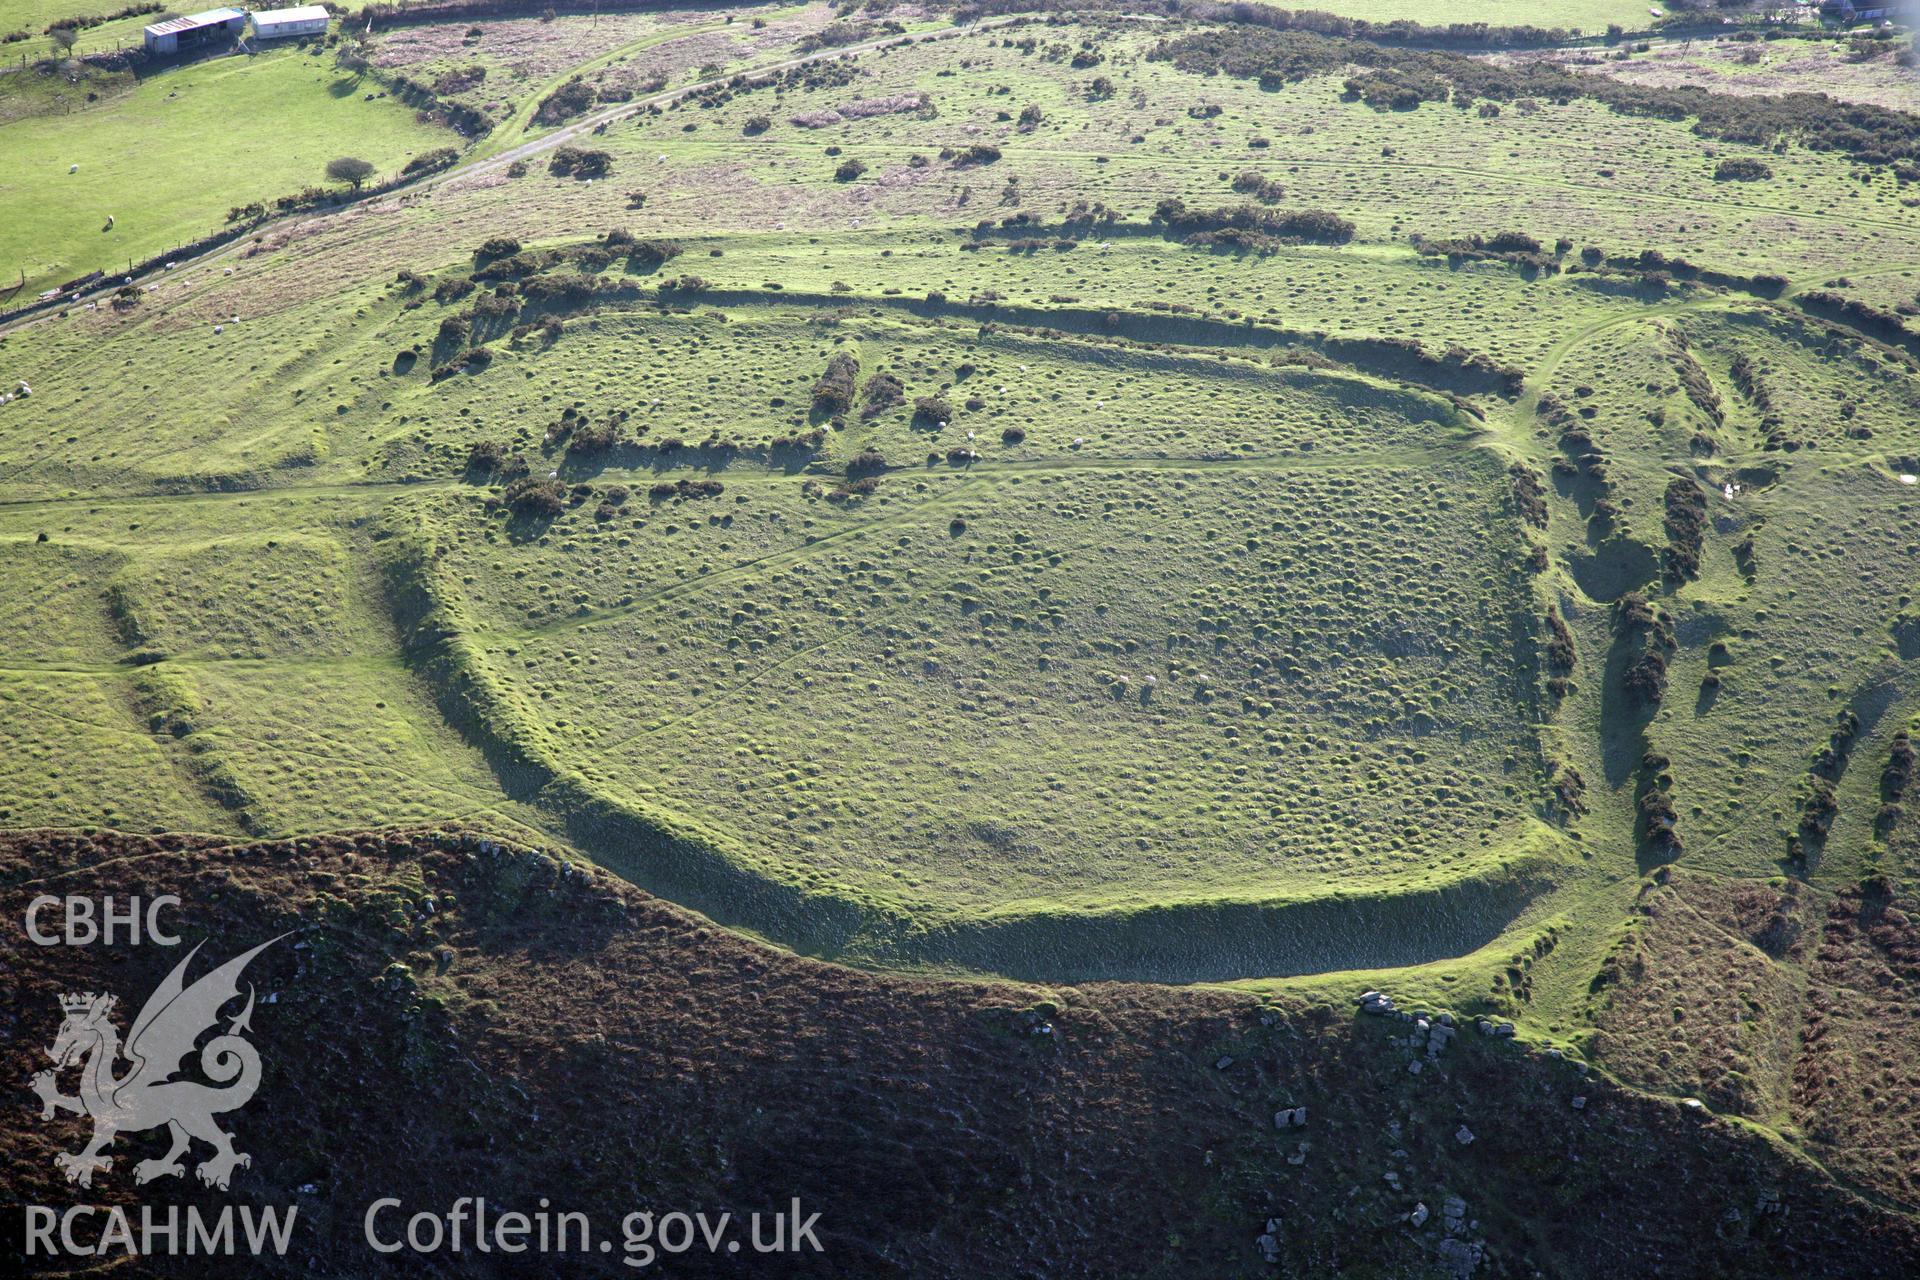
(522, 118)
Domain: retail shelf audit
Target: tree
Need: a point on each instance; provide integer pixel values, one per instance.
(351, 170)
(63, 38)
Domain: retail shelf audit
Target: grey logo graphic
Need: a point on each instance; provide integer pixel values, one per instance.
(146, 1096)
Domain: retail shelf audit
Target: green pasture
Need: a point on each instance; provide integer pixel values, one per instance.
(158, 160)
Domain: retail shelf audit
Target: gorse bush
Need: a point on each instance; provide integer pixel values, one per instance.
(882, 392)
(1252, 182)
(1204, 226)
(537, 498)
(833, 393)
(578, 162)
(1741, 170)
(655, 252)
(1637, 625)
(1686, 525)
(1529, 495)
(430, 162)
(573, 98)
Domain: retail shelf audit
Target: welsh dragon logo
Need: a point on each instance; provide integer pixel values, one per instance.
(146, 1096)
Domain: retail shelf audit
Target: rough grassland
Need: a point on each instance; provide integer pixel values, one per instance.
(856, 517)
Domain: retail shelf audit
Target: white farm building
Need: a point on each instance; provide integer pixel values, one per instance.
(278, 24)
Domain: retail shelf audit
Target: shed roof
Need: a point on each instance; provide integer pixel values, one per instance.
(195, 21)
(299, 13)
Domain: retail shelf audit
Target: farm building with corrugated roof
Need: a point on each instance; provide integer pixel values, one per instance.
(196, 29)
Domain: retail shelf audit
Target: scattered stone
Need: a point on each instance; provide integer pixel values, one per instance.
(1486, 1028)
(1460, 1256)
(1463, 1135)
(1413, 1068)
(1419, 1215)
(1226, 1061)
(1580, 1102)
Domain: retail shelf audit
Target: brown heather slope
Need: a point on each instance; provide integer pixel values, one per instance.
(557, 1032)
(1789, 1007)
(1857, 1081)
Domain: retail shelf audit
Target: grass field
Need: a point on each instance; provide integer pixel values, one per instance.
(35, 15)
(862, 507)
(144, 155)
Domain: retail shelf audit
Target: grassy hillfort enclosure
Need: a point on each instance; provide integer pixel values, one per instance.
(1100, 638)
